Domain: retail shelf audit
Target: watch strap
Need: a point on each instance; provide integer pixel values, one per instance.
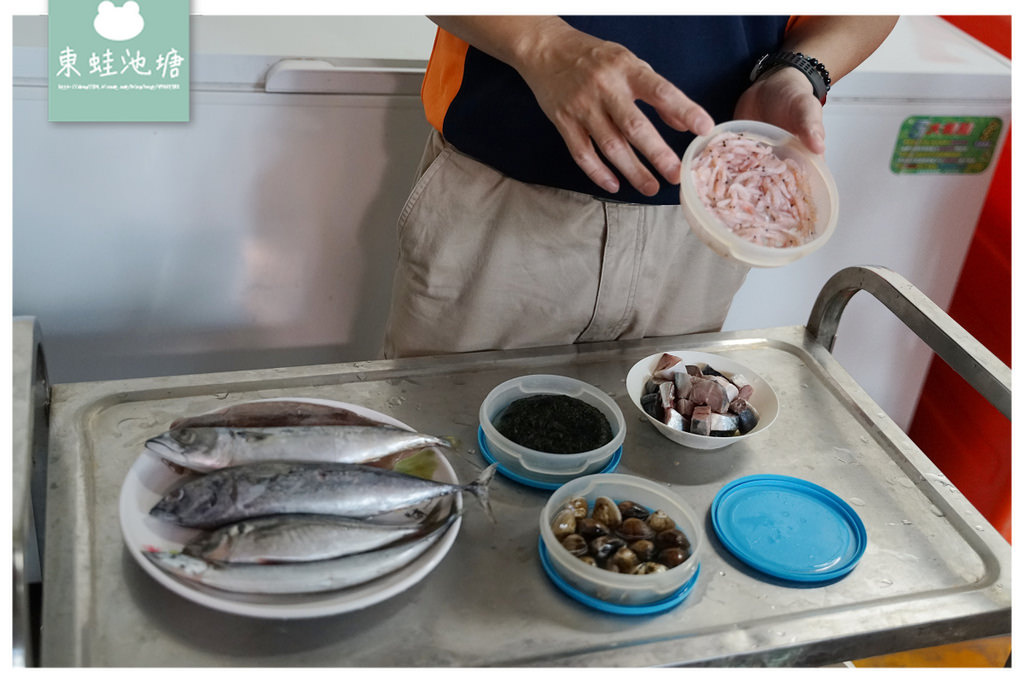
(810, 67)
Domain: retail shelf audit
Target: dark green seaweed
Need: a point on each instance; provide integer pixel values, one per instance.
(554, 423)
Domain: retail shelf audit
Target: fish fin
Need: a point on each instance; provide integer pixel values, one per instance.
(439, 517)
(441, 527)
(435, 516)
(478, 487)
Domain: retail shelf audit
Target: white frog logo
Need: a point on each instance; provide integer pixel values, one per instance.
(118, 23)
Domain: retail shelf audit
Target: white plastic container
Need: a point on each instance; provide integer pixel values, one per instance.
(532, 462)
(764, 400)
(608, 586)
(724, 241)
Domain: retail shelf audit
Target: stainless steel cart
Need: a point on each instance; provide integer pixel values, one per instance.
(934, 571)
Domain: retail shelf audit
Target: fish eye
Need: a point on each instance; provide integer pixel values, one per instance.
(185, 436)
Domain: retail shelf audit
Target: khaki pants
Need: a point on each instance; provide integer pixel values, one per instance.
(487, 262)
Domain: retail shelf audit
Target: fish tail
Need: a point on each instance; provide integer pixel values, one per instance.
(478, 487)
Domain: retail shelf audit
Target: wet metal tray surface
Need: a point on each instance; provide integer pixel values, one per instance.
(934, 570)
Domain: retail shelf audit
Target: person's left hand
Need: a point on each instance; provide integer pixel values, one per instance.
(786, 99)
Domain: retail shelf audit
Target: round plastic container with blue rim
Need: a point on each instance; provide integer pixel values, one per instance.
(540, 466)
(788, 528)
(511, 470)
(657, 607)
(601, 588)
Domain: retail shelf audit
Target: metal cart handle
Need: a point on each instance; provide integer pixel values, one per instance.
(965, 354)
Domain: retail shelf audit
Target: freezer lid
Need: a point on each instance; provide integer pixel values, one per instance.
(236, 53)
(927, 58)
(924, 58)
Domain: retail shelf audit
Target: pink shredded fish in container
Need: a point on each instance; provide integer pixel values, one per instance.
(753, 193)
(760, 197)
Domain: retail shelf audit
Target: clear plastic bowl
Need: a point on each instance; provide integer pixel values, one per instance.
(764, 400)
(534, 462)
(608, 586)
(724, 241)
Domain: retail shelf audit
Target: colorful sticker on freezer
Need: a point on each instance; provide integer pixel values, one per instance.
(126, 60)
(946, 144)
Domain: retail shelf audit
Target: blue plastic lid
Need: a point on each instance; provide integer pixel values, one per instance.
(662, 605)
(788, 528)
(481, 440)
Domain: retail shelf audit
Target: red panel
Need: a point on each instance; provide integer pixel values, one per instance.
(965, 437)
(993, 30)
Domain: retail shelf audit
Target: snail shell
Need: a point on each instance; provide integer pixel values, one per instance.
(604, 547)
(660, 521)
(630, 509)
(644, 549)
(607, 512)
(673, 557)
(579, 507)
(589, 528)
(671, 538)
(575, 544)
(564, 523)
(634, 529)
(623, 561)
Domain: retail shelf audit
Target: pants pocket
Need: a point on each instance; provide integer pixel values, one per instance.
(436, 153)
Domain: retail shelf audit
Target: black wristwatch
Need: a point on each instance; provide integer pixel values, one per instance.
(815, 71)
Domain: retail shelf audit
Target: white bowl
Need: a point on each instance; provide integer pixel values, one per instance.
(724, 241)
(608, 586)
(764, 400)
(532, 462)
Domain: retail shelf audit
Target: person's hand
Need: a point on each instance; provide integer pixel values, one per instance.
(785, 98)
(588, 87)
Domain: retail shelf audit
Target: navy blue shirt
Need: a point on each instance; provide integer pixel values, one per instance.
(495, 118)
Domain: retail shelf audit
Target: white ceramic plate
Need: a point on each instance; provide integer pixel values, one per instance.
(764, 400)
(149, 478)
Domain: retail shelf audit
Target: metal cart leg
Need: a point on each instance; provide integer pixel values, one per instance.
(31, 395)
(951, 342)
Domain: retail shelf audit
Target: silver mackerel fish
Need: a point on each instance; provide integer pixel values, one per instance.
(274, 488)
(208, 448)
(297, 577)
(301, 538)
(276, 413)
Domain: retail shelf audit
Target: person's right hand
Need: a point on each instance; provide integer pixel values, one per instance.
(588, 87)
